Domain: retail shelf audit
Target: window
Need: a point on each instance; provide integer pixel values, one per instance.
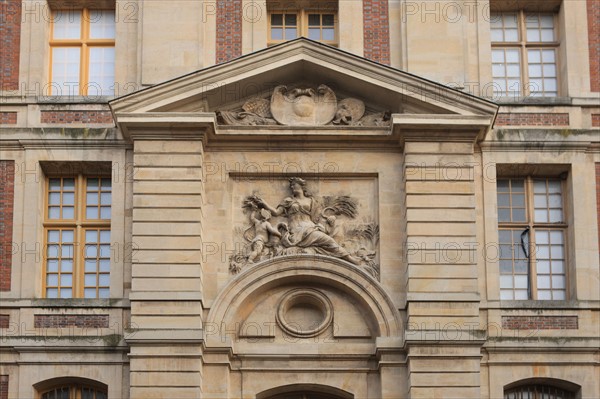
(524, 54)
(74, 392)
(316, 23)
(537, 392)
(82, 52)
(532, 234)
(78, 212)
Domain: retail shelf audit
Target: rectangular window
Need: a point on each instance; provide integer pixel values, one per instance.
(532, 235)
(524, 54)
(82, 52)
(314, 24)
(77, 237)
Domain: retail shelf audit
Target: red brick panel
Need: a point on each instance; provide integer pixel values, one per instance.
(593, 11)
(376, 31)
(70, 320)
(8, 118)
(3, 387)
(7, 197)
(62, 117)
(229, 30)
(4, 320)
(595, 120)
(10, 42)
(532, 119)
(540, 322)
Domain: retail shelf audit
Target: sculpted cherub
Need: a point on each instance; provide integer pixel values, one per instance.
(262, 231)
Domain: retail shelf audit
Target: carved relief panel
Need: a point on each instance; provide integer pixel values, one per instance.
(276, 217)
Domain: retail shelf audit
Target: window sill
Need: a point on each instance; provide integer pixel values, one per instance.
(65, 303)
(537, 101)
(541, 305)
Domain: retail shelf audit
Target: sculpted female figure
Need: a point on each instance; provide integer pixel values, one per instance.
(300, 211)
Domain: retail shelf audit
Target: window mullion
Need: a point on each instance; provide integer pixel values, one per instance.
(531, 246)
(79, 264)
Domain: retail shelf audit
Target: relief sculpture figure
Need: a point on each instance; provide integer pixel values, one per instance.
(306, 226)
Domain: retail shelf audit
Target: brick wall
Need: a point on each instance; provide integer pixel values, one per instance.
(4, 320)
(10, 42)
(593, 11)
(532, 119)
(540, 322)
(595, 120)
(229, 30)
(8, 118)
(70, 320)
(61, 117)
(3, 387)
(7, 196)
(376, 31)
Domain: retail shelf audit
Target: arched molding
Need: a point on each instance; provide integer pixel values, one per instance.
(325, 390)
(69, 381)
(553, 382)
(307, 270)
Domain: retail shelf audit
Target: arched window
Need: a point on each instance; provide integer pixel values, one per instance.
(72, 388)
(304, 391)
(536, 388)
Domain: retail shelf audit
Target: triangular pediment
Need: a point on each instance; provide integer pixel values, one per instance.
(254, 80)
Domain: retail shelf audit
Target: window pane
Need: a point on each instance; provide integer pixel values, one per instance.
(66, 266)
(68, 212)
(54, 199)
(68, 198)
(277, 19)
(105, 198)
(89, 293)
(53, 235)
(92, 198)
(103, 293)
(90, 266)
(102, 71)
(328, 34)
(52, 280)
(105, 236)
(66, 280)
(506, 281)
(290, 19)
(543, 282)
(91, 213)
(92, 184)
(51, 293)
(328, 20)
(276, 34)
(314, 20)
(52, 266)
(105, 213)
(290, 33)
(67, 24)
(66, 293)
(90, 280)
(104, 266)
(511, 35)
(54, 185)
(314, 33)
(65, 71)
(102, 24)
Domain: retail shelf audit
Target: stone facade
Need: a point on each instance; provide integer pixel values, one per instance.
(298, 219)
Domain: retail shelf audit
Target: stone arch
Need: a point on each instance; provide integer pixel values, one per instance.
(311, 391)
(308, 270)
(70, 382)
(540, 383)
